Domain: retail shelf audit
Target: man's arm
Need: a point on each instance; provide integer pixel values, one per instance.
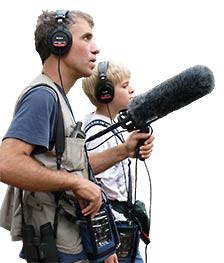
(19, 169)
(107, 158)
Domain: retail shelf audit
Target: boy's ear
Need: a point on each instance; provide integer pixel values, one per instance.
(104, 90)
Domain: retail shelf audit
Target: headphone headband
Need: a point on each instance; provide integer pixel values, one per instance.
(102, 69)
(60, 39)
(61, 14)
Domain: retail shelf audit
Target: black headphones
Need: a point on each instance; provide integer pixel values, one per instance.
(104, 90)
(60, 40)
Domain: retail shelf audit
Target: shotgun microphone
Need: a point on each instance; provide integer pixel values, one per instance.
(173, 94)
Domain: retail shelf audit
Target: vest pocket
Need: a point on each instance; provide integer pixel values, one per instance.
(74, 155)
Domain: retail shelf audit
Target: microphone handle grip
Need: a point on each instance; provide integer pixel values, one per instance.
(141, 142)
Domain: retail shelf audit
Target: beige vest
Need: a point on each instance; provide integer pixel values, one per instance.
(39, 208)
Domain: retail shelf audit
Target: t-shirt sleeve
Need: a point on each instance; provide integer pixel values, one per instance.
(34, 119)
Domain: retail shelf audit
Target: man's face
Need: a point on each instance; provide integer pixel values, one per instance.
(81, 57)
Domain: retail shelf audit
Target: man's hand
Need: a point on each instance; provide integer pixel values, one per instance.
(89, 196)
(111, 259)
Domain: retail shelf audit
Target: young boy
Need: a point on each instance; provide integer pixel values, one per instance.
(109, 89)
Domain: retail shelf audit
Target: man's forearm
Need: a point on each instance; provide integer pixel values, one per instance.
(19, 169)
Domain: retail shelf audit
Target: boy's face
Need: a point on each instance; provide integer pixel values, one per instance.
(123, 93)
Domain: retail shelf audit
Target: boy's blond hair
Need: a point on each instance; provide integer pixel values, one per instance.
(116, 72)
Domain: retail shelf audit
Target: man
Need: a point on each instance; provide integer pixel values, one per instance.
(64, 41)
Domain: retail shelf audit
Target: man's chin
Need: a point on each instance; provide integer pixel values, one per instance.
(88, 74)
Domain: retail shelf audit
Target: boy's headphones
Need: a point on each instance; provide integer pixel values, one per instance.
(104, 90)
(60, 39)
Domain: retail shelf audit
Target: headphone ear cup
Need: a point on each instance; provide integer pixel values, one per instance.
(60, 42)
(104, 91)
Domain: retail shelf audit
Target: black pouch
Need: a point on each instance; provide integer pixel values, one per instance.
(40, 248)
(137, 213)
(129, 237)
(30, 243)
(140, 215)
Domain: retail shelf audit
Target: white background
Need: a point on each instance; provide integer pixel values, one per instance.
(157, 40)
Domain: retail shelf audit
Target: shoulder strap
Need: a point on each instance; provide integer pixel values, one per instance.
(60, 131)
(104, 124)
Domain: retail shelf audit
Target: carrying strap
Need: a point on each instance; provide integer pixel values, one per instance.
(60, 137)
(69, 217)
(104, 124)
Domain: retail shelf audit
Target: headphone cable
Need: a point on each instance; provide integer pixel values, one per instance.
(122, 163)
(59, 69)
